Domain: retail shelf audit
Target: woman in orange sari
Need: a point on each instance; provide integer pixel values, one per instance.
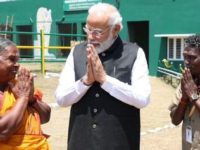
(21, 108)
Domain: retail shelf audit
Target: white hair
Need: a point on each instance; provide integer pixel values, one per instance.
(114, 16)
(4, 43)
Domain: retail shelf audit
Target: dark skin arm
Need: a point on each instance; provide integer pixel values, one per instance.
(10, 122)
(177, 114)
(43, 109)
(191, 87)
(188, 86)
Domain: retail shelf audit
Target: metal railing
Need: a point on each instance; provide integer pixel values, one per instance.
(169, 72)
(42, 46)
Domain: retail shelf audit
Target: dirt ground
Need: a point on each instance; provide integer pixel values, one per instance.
(157, 133)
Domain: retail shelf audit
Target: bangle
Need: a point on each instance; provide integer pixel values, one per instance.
(31, 103)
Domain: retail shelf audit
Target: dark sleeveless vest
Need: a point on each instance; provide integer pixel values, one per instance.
(99, 121)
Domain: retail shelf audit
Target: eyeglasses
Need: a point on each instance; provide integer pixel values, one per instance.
(96, 32)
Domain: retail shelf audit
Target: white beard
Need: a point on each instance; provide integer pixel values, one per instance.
(103, 45)
(106, 44)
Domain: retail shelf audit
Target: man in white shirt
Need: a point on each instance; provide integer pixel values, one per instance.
(106, 82)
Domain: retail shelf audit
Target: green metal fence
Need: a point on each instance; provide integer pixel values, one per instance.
(42, 58)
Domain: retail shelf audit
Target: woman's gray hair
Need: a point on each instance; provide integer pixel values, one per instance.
(115, 17)
(5, 43)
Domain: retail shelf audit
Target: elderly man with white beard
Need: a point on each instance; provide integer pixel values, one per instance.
(106, 83)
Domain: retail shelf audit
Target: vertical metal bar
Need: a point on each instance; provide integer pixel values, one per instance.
(6, 27)
(42, 52)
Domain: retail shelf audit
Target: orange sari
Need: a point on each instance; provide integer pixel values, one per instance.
(29, 135)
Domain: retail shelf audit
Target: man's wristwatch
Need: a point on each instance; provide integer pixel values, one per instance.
(194, 97)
